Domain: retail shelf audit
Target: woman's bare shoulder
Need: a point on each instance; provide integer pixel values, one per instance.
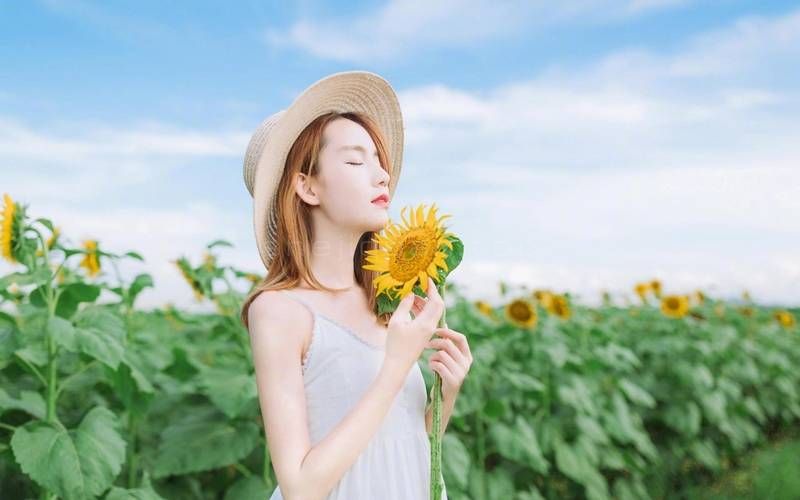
(273, 313)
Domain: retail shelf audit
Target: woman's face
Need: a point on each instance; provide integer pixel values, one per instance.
(350, 177)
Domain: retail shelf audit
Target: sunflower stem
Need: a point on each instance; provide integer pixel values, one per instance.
(437, 481)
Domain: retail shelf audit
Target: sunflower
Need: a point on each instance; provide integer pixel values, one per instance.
(719, 310)
(655, 286)
(521, 312)
(13, 288)
(252, 278)
(51, 241)
(746, 311)
(188, 274)
(209, 261)
(641, 290)
(675, 306)
(485, 308)
(785, 318)
(699, 297)
(10, 230)
(543, 297)
(559, 307)
(409, 253)
(90, 260)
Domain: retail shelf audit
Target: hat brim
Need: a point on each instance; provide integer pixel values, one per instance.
(360, 91)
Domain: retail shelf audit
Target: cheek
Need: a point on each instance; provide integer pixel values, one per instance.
(346, 199)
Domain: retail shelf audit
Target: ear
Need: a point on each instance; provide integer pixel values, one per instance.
(305, 187)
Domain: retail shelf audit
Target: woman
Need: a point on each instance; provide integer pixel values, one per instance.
(341, 394)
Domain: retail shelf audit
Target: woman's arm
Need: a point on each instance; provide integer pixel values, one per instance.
(305, 472)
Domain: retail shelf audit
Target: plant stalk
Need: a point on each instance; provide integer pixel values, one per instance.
(437, 481)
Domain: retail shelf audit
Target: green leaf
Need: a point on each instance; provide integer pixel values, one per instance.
(386, 304)
(455, 460)
(684, 418)
(28, 401)
(82, 292)
(519, 443)
(454, 256)
(8, 339)
(523, 381)
(217, 243)
(34, 354)
(530, 445)
(636, 394)
(100, 334)
(134, 255)
(530, 494)
(575, 466)
(40, 275)
(75, 464)
(713, 404)
(140, 282)
(592, 429)
(247, 488)
(578, 396)
(117, 493)
(63, 333)
(204, 440)
(46, 223)
(72, 295)
(231, 391)
(500, 484)
(145, 492)
(705, 453)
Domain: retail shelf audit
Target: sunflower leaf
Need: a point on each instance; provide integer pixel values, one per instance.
(455, 255)
(387, 304)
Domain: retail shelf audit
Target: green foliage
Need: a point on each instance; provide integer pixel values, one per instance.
(75, 464)
(98, 400)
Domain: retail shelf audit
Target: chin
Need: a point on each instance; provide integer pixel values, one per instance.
(376, 224)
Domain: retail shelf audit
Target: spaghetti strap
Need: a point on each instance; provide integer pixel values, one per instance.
(314, 326)
(346, 329)
(302, 301)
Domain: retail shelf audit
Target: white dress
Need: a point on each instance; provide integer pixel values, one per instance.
(338, 368)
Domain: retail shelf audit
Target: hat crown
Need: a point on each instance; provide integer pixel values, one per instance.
(256, 146)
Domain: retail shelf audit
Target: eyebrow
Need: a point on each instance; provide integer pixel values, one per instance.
(356, 147)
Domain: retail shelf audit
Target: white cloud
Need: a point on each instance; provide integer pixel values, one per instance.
(610, 173)
(580, 179)
(400, 27)
(81, 159)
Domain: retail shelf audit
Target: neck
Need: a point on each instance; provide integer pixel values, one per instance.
(332, 252)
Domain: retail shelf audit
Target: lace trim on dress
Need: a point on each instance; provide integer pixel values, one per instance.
(351, 332)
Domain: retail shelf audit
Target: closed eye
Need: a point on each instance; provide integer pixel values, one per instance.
(353, 163)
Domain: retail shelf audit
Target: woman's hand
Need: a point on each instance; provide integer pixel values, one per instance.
(407, 337)
(451, 360)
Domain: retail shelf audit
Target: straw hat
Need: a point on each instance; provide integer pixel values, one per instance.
(265, 158)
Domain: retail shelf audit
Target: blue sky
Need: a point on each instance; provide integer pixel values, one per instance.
(580, 147)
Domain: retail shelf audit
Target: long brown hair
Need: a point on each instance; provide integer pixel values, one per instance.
(291, 260)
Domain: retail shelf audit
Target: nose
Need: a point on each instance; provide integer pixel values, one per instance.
(384, 176)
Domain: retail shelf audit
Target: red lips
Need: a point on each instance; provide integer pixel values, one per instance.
(384, 197)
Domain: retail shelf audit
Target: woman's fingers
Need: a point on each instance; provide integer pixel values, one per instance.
(458, 339)
(450, 348)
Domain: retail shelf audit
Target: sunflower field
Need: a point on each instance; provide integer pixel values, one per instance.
(634, 400)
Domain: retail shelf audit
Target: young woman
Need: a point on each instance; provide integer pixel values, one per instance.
(342, 397)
